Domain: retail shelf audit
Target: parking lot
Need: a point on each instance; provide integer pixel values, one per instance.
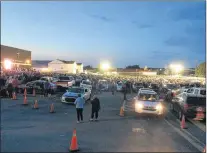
(24, 129)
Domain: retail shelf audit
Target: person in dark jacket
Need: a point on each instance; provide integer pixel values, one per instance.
(95, 108)
(10, 90)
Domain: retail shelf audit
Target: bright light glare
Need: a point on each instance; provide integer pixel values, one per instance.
(159, 107)
(105, 66)
(28, 61)
(7, 64)
(176, 67)
(139, 106)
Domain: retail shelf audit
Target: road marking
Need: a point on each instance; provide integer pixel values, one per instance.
(177, 120)
(138, 130)
(199, 125)
(195, 144)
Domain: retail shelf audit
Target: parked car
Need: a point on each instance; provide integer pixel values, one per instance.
(137, 86)
(37, 85)
(63, 82)
(72, 94)
(188, 104)
(86, 84)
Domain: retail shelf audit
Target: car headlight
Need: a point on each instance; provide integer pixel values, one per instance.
(139, 105)
(159, 107)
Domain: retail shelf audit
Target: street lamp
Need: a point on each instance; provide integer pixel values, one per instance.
(105, 66)
(177, 68)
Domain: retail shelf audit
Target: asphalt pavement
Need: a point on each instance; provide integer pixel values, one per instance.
(24, 129)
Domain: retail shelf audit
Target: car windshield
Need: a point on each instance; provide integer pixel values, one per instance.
(203, 92)
(64, 78)
(147, 97)
(76, 90)
(87, 82)
(171, 86)
(154, 85)
(119, 83)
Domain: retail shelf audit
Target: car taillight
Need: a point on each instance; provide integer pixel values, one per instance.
(185, 107)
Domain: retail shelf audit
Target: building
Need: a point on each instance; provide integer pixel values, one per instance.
(62, 66)
(18, 57)
(79, 68)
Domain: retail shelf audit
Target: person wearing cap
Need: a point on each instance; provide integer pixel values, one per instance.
(95, 108)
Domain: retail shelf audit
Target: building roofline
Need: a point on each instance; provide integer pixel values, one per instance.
(16, 48)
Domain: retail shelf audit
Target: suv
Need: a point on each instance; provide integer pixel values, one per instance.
(188, 105)
(197, 91)
(147, 102)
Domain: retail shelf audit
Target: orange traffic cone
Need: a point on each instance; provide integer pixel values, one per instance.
(74, 142)
(121, 111)
(25, 100)
(36, 105)
(34, 93)
(25, 92)
(14, 97)
(52, 108)
(183, 125)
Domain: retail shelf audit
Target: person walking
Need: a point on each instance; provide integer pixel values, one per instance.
(79, 102)
(95, 108)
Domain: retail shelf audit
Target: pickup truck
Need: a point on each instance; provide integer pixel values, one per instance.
(64, 81)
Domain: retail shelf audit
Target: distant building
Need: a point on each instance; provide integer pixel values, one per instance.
(19, 57)
(62, 66)
(79, 68)
(136, 72)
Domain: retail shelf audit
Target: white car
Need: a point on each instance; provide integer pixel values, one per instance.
(86, 84)
(72, 94)
(147, 102)
(119, 85)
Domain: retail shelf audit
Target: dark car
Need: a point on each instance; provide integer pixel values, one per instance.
(189, 105)
(137, 86)
(154, 87)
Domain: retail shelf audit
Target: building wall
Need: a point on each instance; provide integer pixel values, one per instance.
(80, 68)
(12, 54)
(59, 66)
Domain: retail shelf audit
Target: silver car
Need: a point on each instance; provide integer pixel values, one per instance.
(147, 102)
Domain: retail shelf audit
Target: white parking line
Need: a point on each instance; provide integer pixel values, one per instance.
(193, 142)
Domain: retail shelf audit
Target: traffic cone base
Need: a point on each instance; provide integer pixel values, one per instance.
(14, 97)
(25, 101)
(183, 124)
(35, 105)
(121, 111)
(74, 143)
(52, 108)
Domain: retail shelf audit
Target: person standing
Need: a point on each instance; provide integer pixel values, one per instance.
(95, 108)
(46, 88)
(79, 102)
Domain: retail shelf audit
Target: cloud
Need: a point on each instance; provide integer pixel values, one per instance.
(194, 11)
(103, 18)
(142, 26)
(177, 41)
